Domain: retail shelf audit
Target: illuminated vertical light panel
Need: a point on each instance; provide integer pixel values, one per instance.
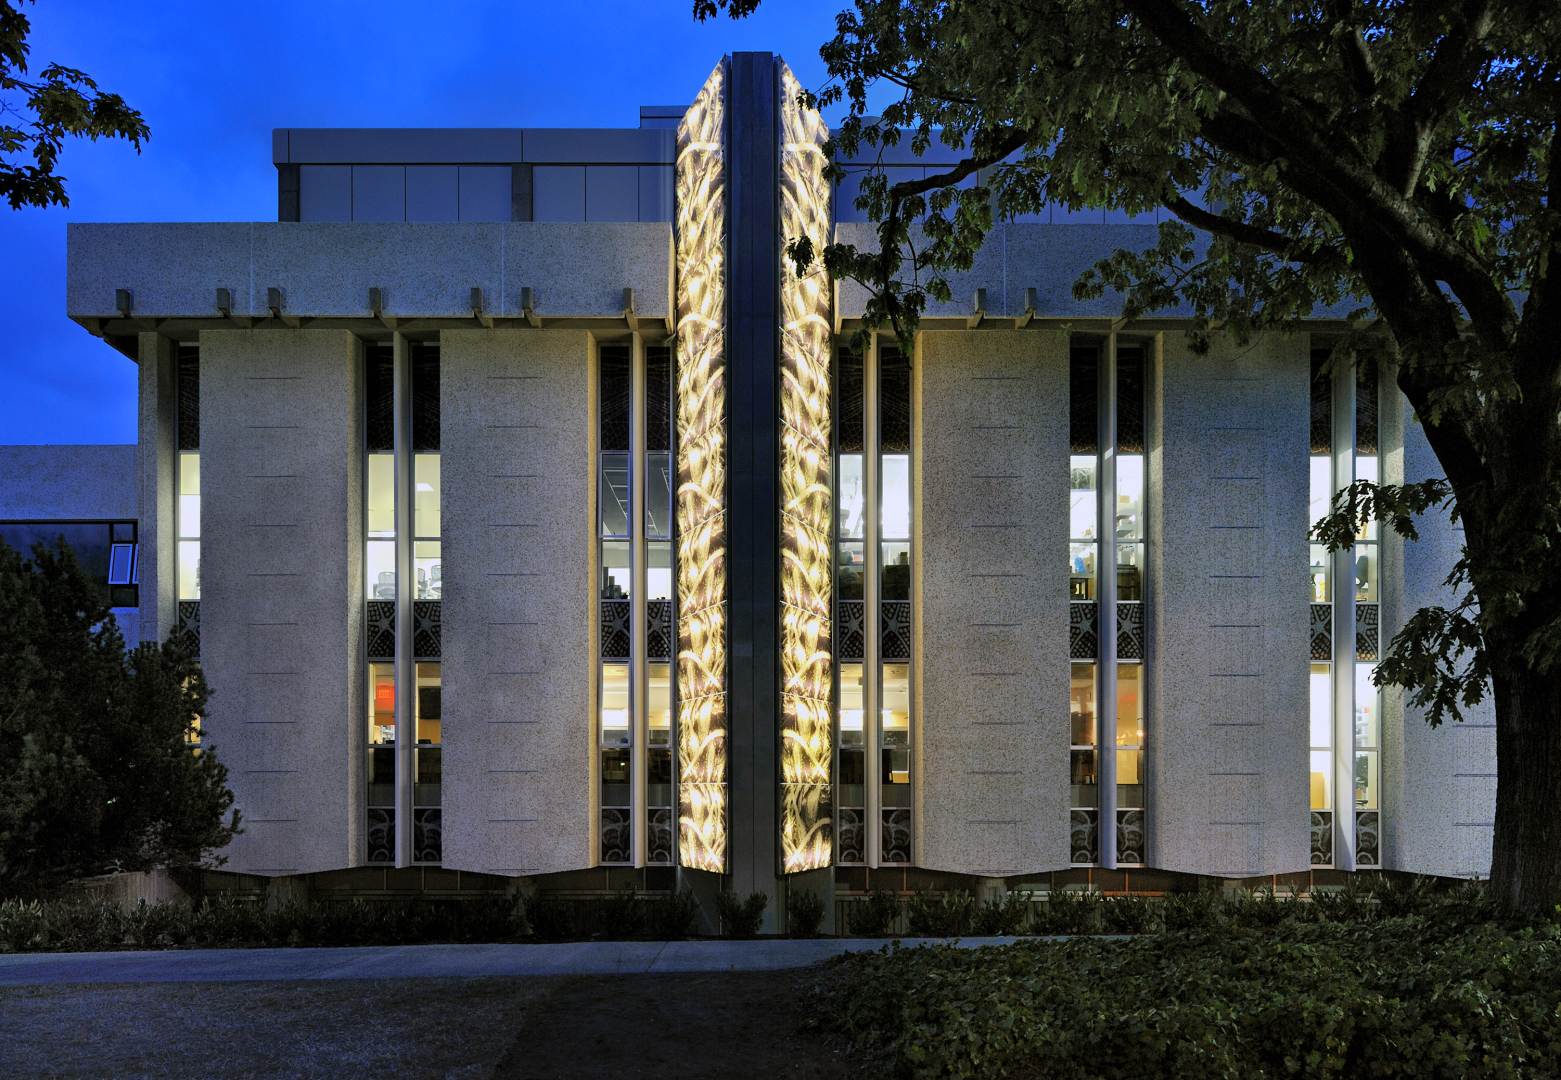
(701, 478)
(806, 676)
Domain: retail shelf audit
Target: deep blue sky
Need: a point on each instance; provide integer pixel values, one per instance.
(212, 80)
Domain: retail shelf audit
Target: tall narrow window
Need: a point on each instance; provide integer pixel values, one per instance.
(850, 611)
(615, 506)
(187, 511)
(660, 798)
(1083, 616)
(427, 594)
(1368, 718)
(1128, 524)
(895, 621)
(1320, 772)
(379, 568)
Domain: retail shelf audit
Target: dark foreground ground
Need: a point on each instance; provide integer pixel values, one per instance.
(675, 1025)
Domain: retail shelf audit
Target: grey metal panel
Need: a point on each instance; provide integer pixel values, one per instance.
(485, 193)
(432, 193)
(558, 193)
(325, 193)
(656, 192)
(606, 146)
(442, 146)
(612, 193)
(379, 193)
(993, 636)
(69, 482)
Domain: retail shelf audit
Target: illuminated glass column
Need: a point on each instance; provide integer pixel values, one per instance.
(1083, 611)
(1128, 527)
(187, 510)
(1320, 771)
(615, 512)
(850, 609)
(896, 817)
(1367, 712)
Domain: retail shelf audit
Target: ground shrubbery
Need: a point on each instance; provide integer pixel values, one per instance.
(1393, 995)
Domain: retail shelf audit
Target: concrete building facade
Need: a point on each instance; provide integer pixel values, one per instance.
(540, 425)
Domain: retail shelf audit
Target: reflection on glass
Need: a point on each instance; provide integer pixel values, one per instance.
(615, 571)
(1130, 497)
(615, 705)
(1320, 575)
(1320, 488)
(1082, 518)
(895, 515)
(1366, 469)
(425, 498)
(895, 580)
(190, 496)
(1367, 720)
(1083, 780)
(852, 496)
(658, 702)
(1366, 570)
(1322, 780)
(1081, 704)
(1321, 693)
(658, 571)
(658, 496)
(851, 705)
(613, 495)
(189, 569)
(1130, 779)
(1081, 571)
(1366, 780)
(1130, 712)
(849, 572)
(1130, 571)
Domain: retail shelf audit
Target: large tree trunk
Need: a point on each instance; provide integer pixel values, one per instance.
(1526, 850)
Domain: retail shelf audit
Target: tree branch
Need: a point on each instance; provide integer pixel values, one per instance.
(1280, 244)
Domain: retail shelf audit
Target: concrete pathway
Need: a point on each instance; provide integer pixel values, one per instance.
(438, 961)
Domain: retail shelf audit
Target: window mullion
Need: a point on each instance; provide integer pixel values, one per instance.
(638, 606)
(1106, 604)
(405, 664)
(1343, 629)
(872, 667)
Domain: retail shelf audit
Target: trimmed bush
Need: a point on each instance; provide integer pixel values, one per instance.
(674, 917)
(741, 918)
(804, 913)
(1404, 996)
(874, 916)
(1005, 914)
(945, 914)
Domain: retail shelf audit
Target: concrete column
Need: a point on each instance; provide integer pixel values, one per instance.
(1227, 682)
(993, 618)
(159, 493)
(1343, 591)
(519, 605)
(282, 603)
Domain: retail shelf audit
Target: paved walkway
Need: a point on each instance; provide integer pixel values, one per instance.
(437, 961)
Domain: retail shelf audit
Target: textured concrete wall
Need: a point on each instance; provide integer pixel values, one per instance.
(68, 482)
(282, 590)
(575, 269)
(519, 673)
(1228, 617)
(1439, 784)
(992, 647)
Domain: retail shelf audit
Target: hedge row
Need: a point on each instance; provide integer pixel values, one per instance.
(1394, 997)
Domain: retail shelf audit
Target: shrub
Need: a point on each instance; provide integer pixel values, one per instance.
(1130, 915)
(620, 916)
(674, 917)
(741, 918)
(1400, 996)
(947, 914)
(804, 913)
(1008, 913)
(875, 915)
(1067, 913)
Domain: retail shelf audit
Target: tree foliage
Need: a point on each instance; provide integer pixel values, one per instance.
(38, 114)
(96, 768)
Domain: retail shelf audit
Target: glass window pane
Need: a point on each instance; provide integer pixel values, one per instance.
(1322, 780)
(1321, 488)
(615, 363)
(896, 572)
(615, 571)
(851, 569)
(850, 400)
(896, 705)
(1081, 704)
(852, 496)
(614, 495)
(190, 496)
(380, 569)
(428, 569)
(189, 569)
(658, 496)
(1366, 571)
(1366, 469)
(382, 496)
(615, 705)
(1366, 780)
(851, 705)
(1130, 705)
(1130, 779)
(430, 690)
(1368, 727)
(894, 401)
(1321, 572)
(895, 516)
(382, 704)
(1081, 571)
(1321, 705)
(1081, 506)
(1130, 571)
(658, 572)
(659, 704)
(425, 503)
(1083, 778)
(1130, 497)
